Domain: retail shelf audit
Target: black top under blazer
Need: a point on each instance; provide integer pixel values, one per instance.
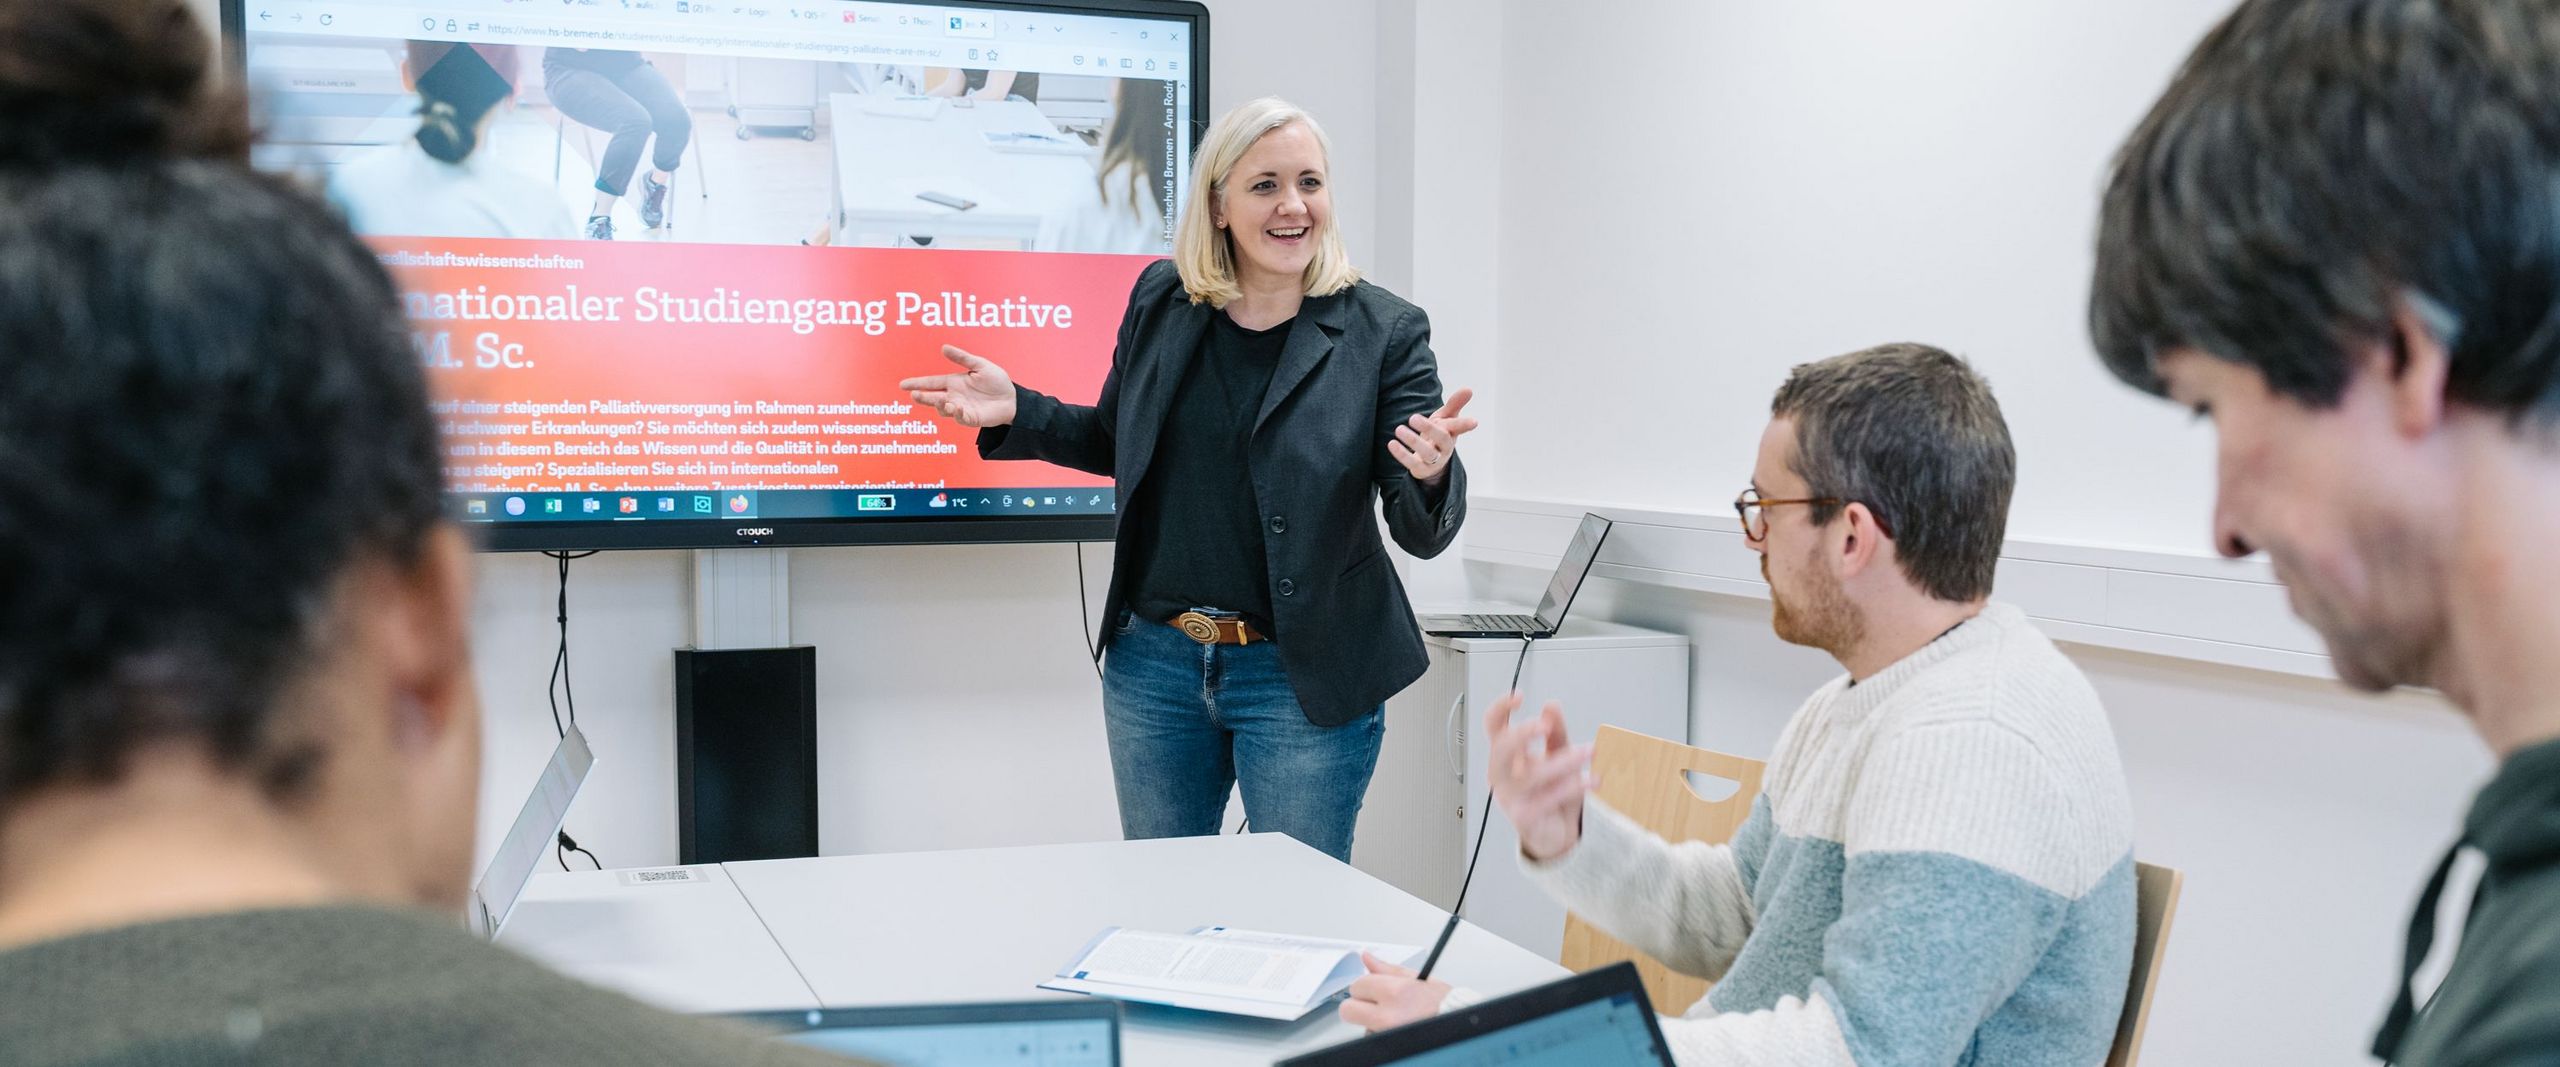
(1356, 366)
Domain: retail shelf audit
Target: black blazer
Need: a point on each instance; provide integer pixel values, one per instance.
(1357, 365)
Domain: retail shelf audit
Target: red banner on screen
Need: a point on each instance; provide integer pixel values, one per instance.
(575, 366)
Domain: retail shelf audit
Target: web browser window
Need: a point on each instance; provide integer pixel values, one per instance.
(667, 260)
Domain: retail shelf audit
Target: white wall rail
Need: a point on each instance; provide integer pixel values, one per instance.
(2230, 612)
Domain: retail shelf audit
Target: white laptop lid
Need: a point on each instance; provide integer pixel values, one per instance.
(536, 827)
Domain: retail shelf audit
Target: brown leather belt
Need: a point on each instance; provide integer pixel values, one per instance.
(1217, 629)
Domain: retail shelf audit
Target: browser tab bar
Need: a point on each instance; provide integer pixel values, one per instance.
(780, 29)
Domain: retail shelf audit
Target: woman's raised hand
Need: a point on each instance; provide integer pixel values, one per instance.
(981, 395)
(1427, 443)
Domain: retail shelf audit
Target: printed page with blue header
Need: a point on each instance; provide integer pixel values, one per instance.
(1221, 969)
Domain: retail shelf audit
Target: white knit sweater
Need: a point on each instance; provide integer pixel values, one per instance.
(1938, 871)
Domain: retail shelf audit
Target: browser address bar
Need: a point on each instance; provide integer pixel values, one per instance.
(722, 41)
(335, 18)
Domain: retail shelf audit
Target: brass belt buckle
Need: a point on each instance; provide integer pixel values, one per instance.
(1197, 626)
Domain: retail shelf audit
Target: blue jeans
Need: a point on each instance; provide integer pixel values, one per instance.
(1188, 721)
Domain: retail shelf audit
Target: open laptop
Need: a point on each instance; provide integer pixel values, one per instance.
(1570, 571)
(1596, 1019)
(536, 827)
(1081, 1032)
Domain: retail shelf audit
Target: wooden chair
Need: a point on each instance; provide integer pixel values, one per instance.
(1646, 778)
(2155, 893)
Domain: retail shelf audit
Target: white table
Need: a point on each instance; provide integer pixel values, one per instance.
(990, 924)
(691, 945)
(883, 161)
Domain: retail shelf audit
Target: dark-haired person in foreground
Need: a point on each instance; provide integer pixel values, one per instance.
(239, 747)
(2338, 236)
(1939, 869)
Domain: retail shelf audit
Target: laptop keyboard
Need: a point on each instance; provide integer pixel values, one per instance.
(1513, 623)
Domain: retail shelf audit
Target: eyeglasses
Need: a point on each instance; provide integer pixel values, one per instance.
(1755, 517)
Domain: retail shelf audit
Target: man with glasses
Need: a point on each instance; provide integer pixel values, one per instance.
(2334, 236)
(1939, 868)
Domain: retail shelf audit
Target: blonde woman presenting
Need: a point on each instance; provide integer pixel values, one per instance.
(1262, 403)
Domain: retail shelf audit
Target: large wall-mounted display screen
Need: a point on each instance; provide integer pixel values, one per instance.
(667, 260)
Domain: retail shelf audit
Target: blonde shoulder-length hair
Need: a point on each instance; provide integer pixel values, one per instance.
(1204, 254)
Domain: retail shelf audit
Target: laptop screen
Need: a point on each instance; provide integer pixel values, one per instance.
(536, 827)
(1596, 1019)
(1603, 1033)
(1570, 570)
(1079, 1033)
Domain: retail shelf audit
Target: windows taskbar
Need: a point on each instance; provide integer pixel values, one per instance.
(660, 505)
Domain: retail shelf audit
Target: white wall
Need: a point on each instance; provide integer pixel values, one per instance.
(1321, 55)
(1814, 177)
(957, 707)
(1822, 175)
(620, 605)
(1439, 246)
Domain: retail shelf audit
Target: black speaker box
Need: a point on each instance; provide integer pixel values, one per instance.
(746, 753)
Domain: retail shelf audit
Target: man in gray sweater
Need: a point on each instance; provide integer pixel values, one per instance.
(1938, 868)
(239, 748)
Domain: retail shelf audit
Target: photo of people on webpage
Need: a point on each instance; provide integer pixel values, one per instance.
(439, 138)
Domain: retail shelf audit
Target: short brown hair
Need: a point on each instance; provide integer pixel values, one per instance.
(1915, 435)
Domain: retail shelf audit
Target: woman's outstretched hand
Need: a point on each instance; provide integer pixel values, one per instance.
(980, 396)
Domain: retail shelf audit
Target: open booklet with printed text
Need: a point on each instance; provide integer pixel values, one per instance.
(1220, 969)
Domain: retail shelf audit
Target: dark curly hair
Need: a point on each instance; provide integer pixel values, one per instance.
(208, 407)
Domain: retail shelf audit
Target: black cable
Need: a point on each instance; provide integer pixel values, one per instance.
(1525, 641)
(568, 686)
(559, 663)
(1084, 616)
(558, 687)
(1487, 810)
(564, 845)
(560, 658)
(571, 844)
(1484, 821)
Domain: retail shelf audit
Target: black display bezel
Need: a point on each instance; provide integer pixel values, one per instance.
(554, 536)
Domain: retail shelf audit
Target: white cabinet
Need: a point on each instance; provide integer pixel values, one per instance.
(1419, 817)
